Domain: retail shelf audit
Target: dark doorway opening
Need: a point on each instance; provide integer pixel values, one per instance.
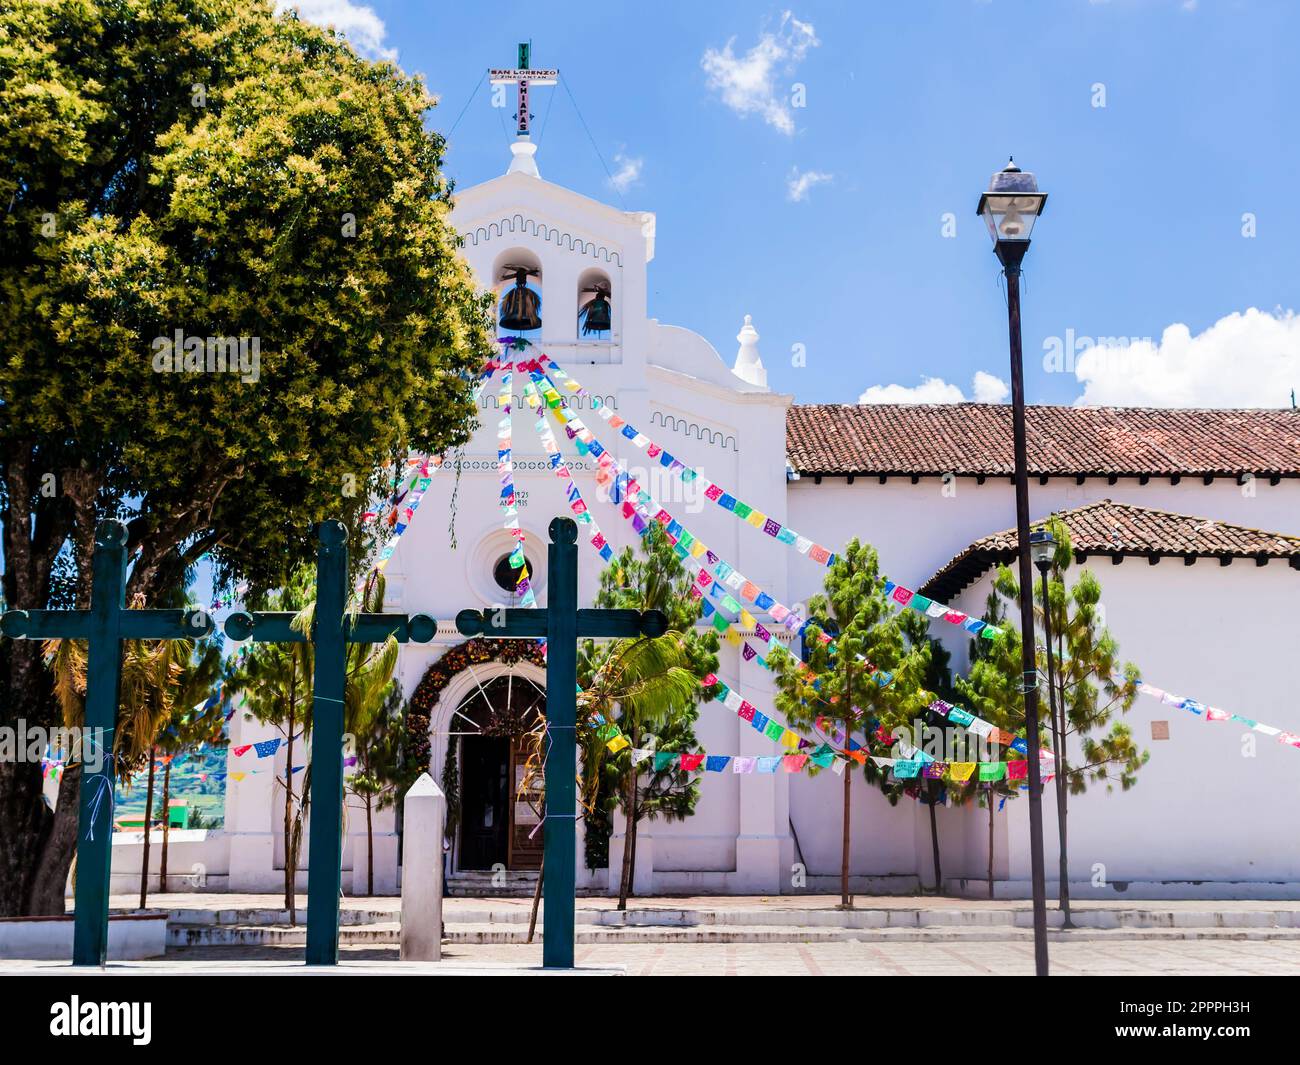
(485, 819)
(499, 812)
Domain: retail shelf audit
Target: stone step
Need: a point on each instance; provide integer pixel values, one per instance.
(388, 933)
(696, 917)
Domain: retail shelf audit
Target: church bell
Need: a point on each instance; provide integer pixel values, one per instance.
(521, 306)
(596, 315)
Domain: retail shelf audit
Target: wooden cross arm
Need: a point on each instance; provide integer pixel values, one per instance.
(522, 622)
(276, 627)
(131, 624)
(45, 624)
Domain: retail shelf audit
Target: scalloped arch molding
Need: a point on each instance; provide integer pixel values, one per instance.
(517, 224)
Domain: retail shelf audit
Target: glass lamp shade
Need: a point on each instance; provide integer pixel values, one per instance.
(1042, 545)
(1012, 204)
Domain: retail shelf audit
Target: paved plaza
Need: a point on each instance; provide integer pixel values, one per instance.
(1133, 958)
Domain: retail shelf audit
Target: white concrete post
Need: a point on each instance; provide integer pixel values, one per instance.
(424, 815)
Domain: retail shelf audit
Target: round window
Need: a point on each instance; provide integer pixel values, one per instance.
(506, 575)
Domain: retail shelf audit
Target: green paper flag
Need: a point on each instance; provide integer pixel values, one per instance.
(720, 623)
(993, 770)
(664, 760)
(743, 510)
(774, 731)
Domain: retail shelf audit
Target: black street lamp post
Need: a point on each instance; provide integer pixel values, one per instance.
(1043, 547)
(1010, 207)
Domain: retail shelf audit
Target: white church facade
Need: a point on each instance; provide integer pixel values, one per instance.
(1191, 520)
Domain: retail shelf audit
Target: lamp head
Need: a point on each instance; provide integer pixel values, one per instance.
(1012, 204)
(1042, 546)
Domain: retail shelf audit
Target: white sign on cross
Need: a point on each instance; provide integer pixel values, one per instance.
(523, 76)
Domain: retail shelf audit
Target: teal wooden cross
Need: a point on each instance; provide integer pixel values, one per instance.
(562, 624)
(104, 626)
(333, 628)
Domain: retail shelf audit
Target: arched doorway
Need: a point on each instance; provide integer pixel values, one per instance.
(499, 817)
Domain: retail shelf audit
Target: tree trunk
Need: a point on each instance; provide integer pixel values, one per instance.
(148, 813)
(934, 840)
(50, 885)
(845, 901)
(990, 802)
(629, 839)
(1058, 744)
(167, 823)
(370, 851)
(37, 848)
(537, 899)
(289, 871)
(1063, 808)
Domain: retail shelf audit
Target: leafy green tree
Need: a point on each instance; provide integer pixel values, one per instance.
(208, 167)
(650, 688)
(1091, 689)
(842, 682)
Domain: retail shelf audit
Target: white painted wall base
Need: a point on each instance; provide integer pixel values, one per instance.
(1134, 890)
(131, 937)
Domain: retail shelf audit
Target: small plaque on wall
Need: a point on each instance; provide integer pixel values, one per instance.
(1160, 730)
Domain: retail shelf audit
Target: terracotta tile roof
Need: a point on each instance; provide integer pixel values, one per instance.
(974, 439)
(1120, 530)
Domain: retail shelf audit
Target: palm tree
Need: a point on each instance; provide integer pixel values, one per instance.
(649, 686)
(190, 726)
(150, 672)
(371, 713)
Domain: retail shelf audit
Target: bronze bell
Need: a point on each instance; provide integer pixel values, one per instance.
(519, 309)
(596, 315)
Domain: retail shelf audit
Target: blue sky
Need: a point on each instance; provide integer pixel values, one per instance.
(909, 108)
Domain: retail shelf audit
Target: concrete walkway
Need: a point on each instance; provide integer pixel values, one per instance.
(783, 959)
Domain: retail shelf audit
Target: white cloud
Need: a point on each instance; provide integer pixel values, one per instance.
(747, 83)
(359, 24)
(1249, 359)
(986, 389)
(628, 172)
(799, 183)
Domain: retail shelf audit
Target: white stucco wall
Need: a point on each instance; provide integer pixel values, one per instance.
(1216, 801)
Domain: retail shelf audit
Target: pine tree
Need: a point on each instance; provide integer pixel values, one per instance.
(871, 672)
(1092, 688)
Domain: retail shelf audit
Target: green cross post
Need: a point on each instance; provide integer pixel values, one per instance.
(104, 626)
(561, 624)
(332, 630)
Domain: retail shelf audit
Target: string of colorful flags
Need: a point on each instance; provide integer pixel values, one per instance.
(681, 538)
(727, 501)
(546, 369)
(636, 507)
(1213, 713)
